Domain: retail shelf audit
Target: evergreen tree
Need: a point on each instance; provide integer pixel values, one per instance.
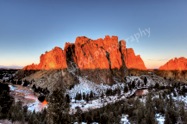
(140, 113)
(171, 114)
(5, 103)
(67, 98)
(91, 95)
(104, 118)
(183, 113)
(157, 85)
(102, 95)
(17, 113)
(145, 81)
(87, 98)
(108, 92)
(133, 84)
(58, 109)
(167, 119)
(125, 89)
(118, 91)
(33, 118)
(84, 96)
(0, 111)
(150, 112)
(78, 96)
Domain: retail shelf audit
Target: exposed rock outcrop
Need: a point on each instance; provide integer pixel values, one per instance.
(175, 64)
(100, 61)
(131, 60)
(98, 54)
(54, 59)
(90, 54)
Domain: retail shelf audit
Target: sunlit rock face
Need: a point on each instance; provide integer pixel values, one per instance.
(131, 60)
(54, 59)
(88, 54)
(31, 67)
(175, 64)
(98, 54)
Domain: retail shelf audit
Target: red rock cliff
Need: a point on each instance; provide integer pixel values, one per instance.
(175, 64)
(86, 53)
(54, 59)
(131, 60)
(98, 54)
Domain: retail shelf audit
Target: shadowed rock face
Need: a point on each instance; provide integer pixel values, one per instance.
(88, 54)
(175, 64)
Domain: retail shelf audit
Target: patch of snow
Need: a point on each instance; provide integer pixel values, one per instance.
(6, 78)
(124, 119)
(12, 88)
(86, 86)
(36, 106)
(97, 103)
(143, 99)
(181, 98)
(31, 96)
(160, 118)
(27, 95)
(85, 123)
(33, 106)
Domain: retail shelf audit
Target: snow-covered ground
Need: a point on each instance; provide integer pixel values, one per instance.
(36, 106)
(86, 86)
(27, 97)
(124, 119)
(160, 118)
(97, 103)
(85, 123)
(180, 99)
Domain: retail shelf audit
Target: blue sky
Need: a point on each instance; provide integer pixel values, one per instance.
(29, 28)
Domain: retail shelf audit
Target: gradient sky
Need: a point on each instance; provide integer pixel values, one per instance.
(28, 28)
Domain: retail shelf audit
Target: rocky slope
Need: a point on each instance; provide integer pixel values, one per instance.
(175, 64)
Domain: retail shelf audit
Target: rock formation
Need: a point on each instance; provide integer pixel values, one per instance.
(131, 60)
(98, 54)
(99, 61)
(175, 64)
(54, 59)
(88, 54)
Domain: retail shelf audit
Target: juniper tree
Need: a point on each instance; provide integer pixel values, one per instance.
(16, 112)
(58, 109)
(5, 103)
(145, 81)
